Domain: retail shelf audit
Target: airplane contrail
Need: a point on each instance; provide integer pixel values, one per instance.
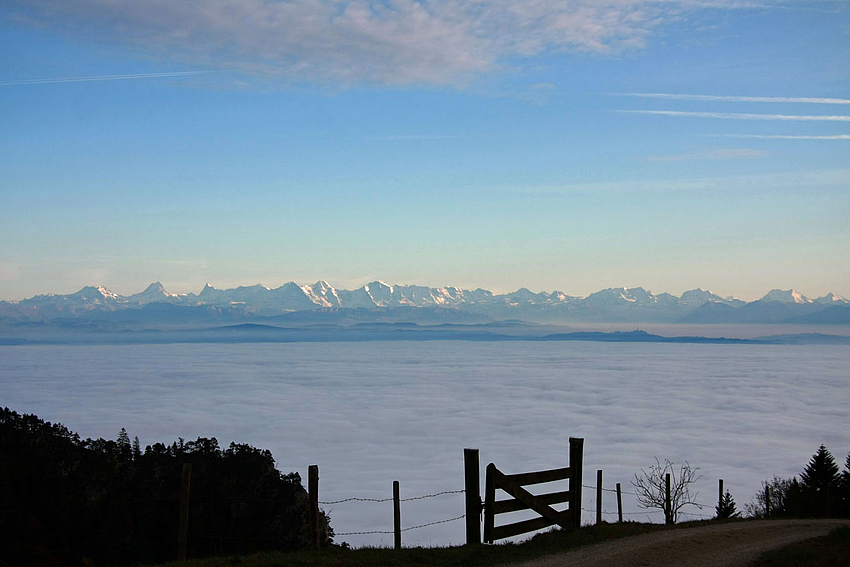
(745, 116)
(786, 136)
(703, 97)
(102, 78)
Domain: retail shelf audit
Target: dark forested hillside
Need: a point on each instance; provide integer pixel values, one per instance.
(67, 501)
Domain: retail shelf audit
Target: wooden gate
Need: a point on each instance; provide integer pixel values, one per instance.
(523, 499)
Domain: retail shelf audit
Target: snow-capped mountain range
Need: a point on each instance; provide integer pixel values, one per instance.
(608, 305)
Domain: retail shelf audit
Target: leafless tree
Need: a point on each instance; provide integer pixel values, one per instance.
(651, 487)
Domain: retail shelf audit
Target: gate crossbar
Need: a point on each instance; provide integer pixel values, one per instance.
(541, 503)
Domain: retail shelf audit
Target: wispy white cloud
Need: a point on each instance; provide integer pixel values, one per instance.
(102, 78)
(351, 41)
(703, 97)
(786, 137)
(717, 153)
(745, 116)
(409, 138)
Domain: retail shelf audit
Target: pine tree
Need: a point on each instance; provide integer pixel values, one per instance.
(726, 507)
(125, 451)
(821, 473)
(844, 489)
(137, 448)
(820, 484)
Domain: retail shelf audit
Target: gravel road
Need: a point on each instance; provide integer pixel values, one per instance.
(720, 545)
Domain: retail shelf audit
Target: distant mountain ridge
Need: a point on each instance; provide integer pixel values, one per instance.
(696, 306)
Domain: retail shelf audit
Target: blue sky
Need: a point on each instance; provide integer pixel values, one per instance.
(484, 144)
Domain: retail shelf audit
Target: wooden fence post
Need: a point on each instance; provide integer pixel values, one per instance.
(619, 503)
(767, 501)
(668, 508)
(313, 491)
(183, 526)
(489, 501)
(576, 463)
(472, 486)
(719, 494)
(598, 497)
(396, 515)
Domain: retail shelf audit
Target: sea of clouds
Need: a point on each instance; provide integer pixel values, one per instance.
(371, 413)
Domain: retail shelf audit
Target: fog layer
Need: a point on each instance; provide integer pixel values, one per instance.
(372, 413)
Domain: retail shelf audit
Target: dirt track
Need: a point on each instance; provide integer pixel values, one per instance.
(723, 545)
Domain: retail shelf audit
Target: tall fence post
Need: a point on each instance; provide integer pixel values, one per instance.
(598, 497)
(472, 486)
(668, 508)
(767, 501)
(396, 515)
(576, 463)
(619, 503)
(719, 494)
(183, 526)
(313, 491)
(489, 501)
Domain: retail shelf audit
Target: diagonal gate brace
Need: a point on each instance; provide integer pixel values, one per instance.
(533, 502)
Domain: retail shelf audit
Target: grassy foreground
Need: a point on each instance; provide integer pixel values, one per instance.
(484, 555)
(832, 550)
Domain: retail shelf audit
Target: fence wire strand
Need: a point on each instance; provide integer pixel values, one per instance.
(403, 529)
(355, 499)
(610, 490)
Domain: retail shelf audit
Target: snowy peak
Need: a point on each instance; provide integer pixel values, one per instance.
(153, 293)
(618, 295)
(786, 296)
(697, 297)
(322, 293)
(208, 289)
(380, 293)
(95, 294)
(96, 291)
(832, 299)
(156, 287)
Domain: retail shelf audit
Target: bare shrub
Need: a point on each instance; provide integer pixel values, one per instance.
(651, 487)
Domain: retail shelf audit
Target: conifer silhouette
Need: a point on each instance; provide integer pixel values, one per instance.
(821, 473)
(125, 451)
(820, 483)
(726, 507)
(845, 475)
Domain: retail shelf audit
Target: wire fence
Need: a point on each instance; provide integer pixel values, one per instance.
(611, 514)
(380, 500)
(462, 516)
(648, 511)
(424, 496)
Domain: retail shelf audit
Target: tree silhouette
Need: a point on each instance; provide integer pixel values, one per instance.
(820, 482)
(101, 502)
(844, 486)
(125, 451)
(821, 473)
(777, 497)
(651, 488)
(726, 507)
(137, 448)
